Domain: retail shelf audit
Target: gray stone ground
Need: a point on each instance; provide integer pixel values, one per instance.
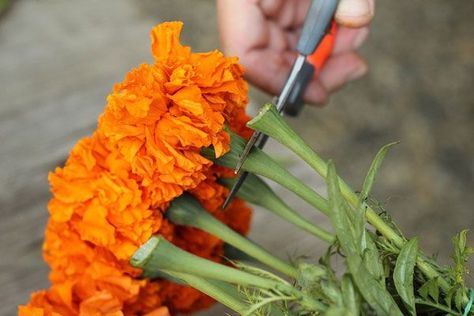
(59, 59)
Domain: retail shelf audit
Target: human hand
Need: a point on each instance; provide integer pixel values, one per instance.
(264, 33)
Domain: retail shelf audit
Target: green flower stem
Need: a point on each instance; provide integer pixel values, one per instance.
(269, 121)
(256, 191)
(233, 254)
(260, 163)
(158, 254)
(158, 274)
(222, 292)
(185, 210)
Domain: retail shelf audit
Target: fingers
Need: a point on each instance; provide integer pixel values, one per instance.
(271, 8)
(355, 13)
(349, 39)
(289, 14)
(292, 14)
(278, 40)
(341, 69)
(241, 27)
(315, 93)
(338, 71)
(265, 50)
(269, 71)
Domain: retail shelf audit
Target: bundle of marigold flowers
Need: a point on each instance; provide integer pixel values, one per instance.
(110, 196)
(137, 213)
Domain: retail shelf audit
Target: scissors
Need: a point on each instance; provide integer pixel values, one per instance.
(314, 47)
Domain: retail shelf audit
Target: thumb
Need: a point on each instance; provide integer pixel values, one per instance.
(355, 13)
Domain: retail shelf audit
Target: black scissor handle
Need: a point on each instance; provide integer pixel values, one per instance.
(295, 101)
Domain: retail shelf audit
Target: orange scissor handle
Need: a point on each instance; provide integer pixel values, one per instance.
(324, 50)
(314, 64)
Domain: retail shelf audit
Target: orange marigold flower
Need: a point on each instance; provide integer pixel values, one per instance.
(110, 196)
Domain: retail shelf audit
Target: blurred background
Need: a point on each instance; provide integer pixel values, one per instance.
(59, 60)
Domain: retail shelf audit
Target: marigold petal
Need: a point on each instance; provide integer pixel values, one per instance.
(165, 44)
(95, 227)
(102, 303)
(24, 310)
(161, 311)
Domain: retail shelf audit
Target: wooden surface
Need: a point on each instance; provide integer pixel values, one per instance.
(55, 75)
(59, 59)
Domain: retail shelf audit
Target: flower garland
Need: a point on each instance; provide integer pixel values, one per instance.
(111, 195)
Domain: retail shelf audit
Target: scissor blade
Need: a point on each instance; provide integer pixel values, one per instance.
(257, 137)
(282, 99)
(290, 83)
(246, 151)
(260, 142)
(235, 188)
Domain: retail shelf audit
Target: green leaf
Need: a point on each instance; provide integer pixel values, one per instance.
(332, 292)
(458, 271)
(373, 292)
(372, 260)
(341, 219)
(309, 274)
(458, 299)
(360, 218)
(373, 170)
(430, 289)
(449, 296)
(404, 272)
(337, 311)
(318, 282)
(436, 306)
(350, 296)
(461, 256)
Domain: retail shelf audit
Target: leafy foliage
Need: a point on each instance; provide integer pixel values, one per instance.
(384, 273)
(380, 278)
(404, 272)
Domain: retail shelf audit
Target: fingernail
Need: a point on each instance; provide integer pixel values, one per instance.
(358, 72)
(360, 38)
(354, 8)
